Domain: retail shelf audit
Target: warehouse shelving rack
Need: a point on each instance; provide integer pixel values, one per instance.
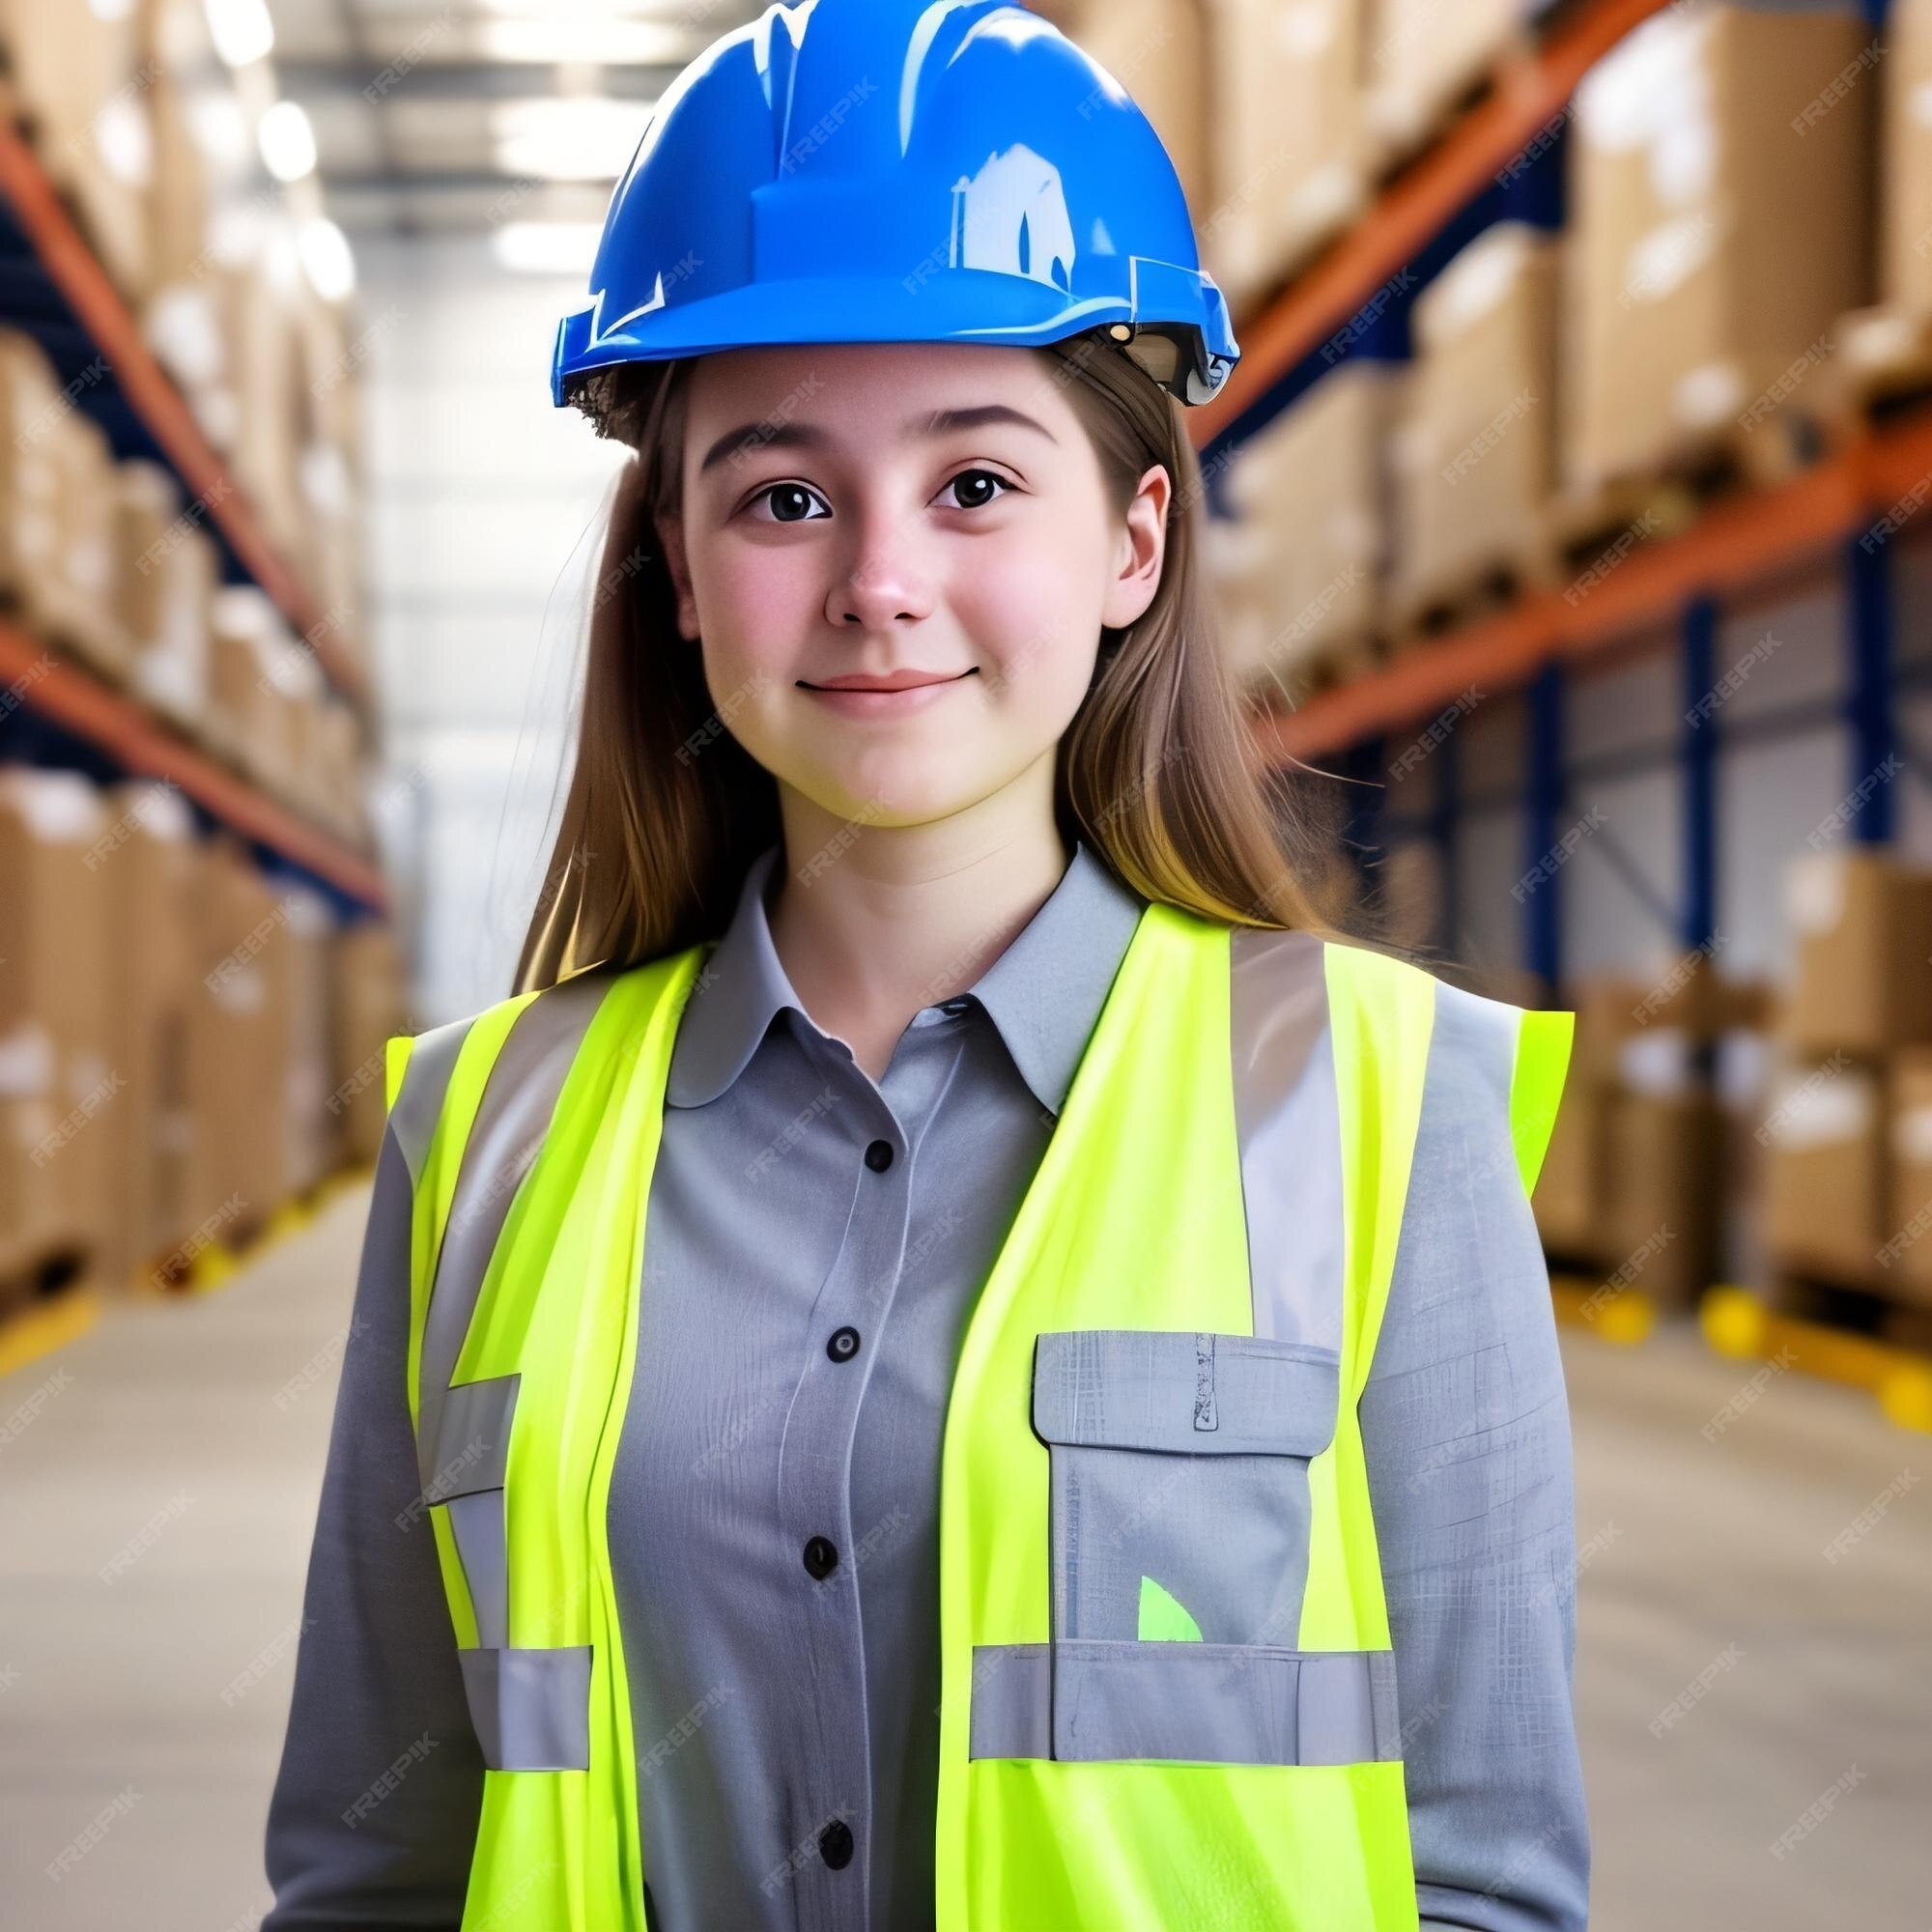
(1504, 159)
(53, 286)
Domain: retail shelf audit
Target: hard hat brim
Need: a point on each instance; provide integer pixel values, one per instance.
(979, 305)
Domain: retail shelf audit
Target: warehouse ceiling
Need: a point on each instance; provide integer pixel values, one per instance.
(441, 116)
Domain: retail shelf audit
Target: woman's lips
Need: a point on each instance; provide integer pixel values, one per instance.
(851, 702)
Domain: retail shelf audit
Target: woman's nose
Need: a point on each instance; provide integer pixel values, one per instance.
(885, 584)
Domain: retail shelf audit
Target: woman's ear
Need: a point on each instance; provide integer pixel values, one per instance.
(1140, 551)
(670, 535)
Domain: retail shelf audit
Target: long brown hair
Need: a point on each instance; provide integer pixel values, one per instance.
(665, 810)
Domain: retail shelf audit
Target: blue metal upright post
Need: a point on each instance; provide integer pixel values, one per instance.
(1869, 695)
(1698, 655)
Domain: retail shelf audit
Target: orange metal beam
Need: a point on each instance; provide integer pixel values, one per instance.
(31, 674)
(1736, 543)
(94, 299)
(1531, 90)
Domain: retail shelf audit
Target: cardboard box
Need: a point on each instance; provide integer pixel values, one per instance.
(260, 301)
(1861, 926)
(171, 662)
(236, 1065)
(1288, 137)
(1572, 1197)
(1305, 557)
(1424, 56)
(1662, 1161)
(54, 1066)
(1905, 1256)
(1706, 146)
(32, 404)
(1905, 170)
(148, 859)
(79, 605)
(1474, 460)
(307, 935)
(1740, 1077)
(369, 1006)
(1825, 1171)
(73, 72)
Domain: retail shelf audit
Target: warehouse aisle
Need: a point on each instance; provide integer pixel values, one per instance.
(158, 1489)
(1736, 1688)
(1739, 1690)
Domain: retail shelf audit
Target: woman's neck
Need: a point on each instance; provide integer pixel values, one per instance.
(871, 923)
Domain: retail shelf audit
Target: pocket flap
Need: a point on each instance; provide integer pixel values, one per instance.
(1198, 1393)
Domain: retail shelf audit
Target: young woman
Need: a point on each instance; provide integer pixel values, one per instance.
(950, 1359)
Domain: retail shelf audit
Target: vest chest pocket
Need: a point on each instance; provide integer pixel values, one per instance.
(1178, 1464)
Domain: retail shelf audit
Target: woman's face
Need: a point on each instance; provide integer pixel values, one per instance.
(926, 515)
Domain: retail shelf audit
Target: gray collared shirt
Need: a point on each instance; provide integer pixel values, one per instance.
(815, 1242)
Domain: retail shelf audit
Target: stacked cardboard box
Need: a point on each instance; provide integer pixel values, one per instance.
(1904, 182)
(1299, 570)
(75, 71)
(150, 862)
(1861, 999)
(57, 557)
(1474, 458)
(368, 1007)
(57, 1081)
(1287, 138)
(1704, 145)
(166, 572)
(1631, 1183)
(1423, 57)
(237, 1011)
(1905, 1258)
(1890, 347)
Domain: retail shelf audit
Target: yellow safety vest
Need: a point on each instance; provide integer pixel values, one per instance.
(1168, 1697)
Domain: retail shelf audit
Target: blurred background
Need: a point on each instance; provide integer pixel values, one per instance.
(1572, 518)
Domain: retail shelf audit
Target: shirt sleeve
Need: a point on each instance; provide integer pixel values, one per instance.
(374, 1812)
(1465, 1433)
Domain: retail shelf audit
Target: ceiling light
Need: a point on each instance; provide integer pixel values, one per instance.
(578, 138)
(326, 256)
(288, 141)
(598, 39)
(548, 247)
(242, 29)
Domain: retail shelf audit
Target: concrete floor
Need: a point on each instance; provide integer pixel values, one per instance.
(157, 1480)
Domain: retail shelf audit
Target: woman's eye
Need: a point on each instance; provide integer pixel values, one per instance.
(969, 479)
(791, 502)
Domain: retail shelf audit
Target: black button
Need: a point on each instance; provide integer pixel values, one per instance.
(879, 1156)
(821, 1556)
(834, 1844)
(843, 1345)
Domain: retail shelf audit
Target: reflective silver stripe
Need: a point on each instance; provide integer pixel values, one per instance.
(1130, 1389)
(1203, 1703)
(1290, 1129)
(472, 1439)
(1011, 1709)
(425, 1083)
(512, 1118)
(476, 1522)
(531, 1708)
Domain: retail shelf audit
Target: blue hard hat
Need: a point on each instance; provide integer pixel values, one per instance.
(898, 171)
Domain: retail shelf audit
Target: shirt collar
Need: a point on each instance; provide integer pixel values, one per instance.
(1043, 993)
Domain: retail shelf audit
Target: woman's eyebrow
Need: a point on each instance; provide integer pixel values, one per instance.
(751, 436)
